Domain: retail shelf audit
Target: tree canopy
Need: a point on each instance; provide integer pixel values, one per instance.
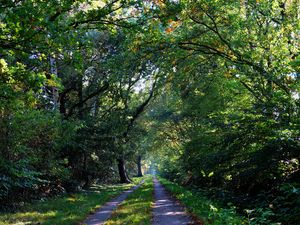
(205, 92)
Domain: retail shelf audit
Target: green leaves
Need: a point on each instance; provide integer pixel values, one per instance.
(226, 100)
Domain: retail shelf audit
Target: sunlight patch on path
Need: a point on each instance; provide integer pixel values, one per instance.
(104, 213)
(166, 210)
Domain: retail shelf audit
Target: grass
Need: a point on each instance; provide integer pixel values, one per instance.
(136, 209)
(205, 209)
(64, 210)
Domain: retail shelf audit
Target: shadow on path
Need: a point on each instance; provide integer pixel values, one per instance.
(167, 211)
(104, 213)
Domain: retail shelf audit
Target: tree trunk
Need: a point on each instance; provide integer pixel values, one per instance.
(54, 90)
(139, 165)
(122, 171)
(62, 104)
(80, 97)
(5, 136)
(85, 172)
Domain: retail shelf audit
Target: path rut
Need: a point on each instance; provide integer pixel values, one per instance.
(104, 213)
(167, 211)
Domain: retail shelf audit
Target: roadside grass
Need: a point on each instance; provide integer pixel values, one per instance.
(203, 208)
(69, 209)
(137, 180)
(136, 209)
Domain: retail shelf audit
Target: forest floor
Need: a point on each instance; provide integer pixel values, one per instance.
(68, 209)
(137, 208)
(105, 212)
(147, 203)
(153, 201)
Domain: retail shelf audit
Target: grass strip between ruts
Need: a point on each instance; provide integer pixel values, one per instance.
(69, 209)
(203, 208)
(136, 209)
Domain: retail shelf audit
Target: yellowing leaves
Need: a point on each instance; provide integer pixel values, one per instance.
(3, 66)
(228, 74)
(158, 2)
(169, 30)
(172, 26)
(2, 25)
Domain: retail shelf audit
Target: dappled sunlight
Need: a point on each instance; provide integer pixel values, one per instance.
(203, 93)
(105, 212)
(30, 217)
(204, 208)
(136, 209)
(65, 210)
(166, 210)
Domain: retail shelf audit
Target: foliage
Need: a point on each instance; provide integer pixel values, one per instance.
(207, 91)
(65, 111)
(24, 169)
(229, 112)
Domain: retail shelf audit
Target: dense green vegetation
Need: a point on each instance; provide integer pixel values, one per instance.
(206, 93)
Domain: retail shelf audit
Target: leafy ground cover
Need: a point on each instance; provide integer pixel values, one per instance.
(64, 210)
(205, 209)
(136, 209)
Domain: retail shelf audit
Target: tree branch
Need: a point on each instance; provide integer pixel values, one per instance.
(139, 110)
(99, 91)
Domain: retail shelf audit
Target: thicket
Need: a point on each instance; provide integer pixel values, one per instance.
(227, 121)
(207, 90)
(68, 96)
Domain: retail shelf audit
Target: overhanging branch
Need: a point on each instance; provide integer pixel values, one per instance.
(139, 110)
(99, 91)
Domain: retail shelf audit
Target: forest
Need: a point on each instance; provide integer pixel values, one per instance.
(203, 93)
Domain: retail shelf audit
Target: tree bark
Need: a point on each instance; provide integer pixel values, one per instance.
(122, 171)
(4, 136)
(80, 97)
(82, 100)
(85, 172)
(62, 104)
(139, 165)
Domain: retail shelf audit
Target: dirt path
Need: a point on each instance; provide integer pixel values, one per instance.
(166, 210)
(104, 213)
